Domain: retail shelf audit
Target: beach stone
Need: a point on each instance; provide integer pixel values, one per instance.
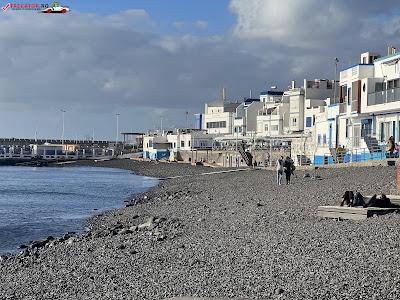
(38, 244)
(133, 228)
(147, 224)
(124, 231)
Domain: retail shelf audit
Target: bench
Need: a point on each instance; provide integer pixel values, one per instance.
(357, 213)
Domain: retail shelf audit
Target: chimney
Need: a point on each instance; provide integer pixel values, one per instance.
(293, 84)
(251, 94)
(223, 94)
(391, 50)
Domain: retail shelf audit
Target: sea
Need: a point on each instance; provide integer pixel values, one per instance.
(37, 202)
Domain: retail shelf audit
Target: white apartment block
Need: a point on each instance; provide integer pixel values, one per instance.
(245, 122)
(370, 101)
(168, 144)
(219, 116)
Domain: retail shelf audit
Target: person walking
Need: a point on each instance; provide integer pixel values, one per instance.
(287, 168)
(279, 170)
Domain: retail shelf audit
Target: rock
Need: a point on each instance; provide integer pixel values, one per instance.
(121, 247)
(133, 228)
(259, 204)
(282, 212)
(147, 224)
(71, 240)
(279, 291)
(159, 220)
(38, 244)
(161, 238)
(307, 175)
(133, 252)
(22, 246)
(124, 231)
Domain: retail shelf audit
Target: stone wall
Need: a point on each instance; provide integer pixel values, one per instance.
(303, 150)
(226, 158)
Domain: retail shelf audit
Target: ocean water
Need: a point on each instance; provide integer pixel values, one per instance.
(38, 202)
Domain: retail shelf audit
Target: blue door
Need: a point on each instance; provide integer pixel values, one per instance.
(330, 135)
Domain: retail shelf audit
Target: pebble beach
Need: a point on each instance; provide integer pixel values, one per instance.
(230, 235)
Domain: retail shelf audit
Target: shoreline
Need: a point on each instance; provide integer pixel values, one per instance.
(97, 209)
(224, 235)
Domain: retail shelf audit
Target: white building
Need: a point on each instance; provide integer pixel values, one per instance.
(218, 117)
(245, 122)
(168, 145)
(367, 112)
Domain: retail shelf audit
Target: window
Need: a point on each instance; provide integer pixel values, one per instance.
(356, 135)
(274, 127)
(308, 122)
(324, 139)
(221, 124)
(150, 143)
(319, 139)
(174, 145)
(182, 143)
(348, 96)
(347, 128)
(313, 119)
(266, 127)
(294, 121)
(188, 143)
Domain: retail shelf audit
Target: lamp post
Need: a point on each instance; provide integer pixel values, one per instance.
(63, 125)
(334, 80)
(116, 137)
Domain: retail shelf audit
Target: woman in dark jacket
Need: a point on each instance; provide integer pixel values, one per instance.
(287, 168)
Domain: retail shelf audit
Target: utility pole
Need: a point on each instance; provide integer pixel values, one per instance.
(63, 126)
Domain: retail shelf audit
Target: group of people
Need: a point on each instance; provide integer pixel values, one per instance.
(284, 165)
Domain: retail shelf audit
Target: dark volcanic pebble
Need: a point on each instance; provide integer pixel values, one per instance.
(279, 250)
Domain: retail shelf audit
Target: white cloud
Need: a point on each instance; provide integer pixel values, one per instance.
(200, 24)
(95, 65)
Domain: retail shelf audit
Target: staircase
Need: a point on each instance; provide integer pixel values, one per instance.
(247, 157)
(372, 144)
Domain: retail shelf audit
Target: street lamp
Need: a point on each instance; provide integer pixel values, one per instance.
(334, 80)
(116, 137)
(63, 125)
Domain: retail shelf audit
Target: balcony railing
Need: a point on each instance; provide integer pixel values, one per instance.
(382, 97)
(343, 108)
(354, 106)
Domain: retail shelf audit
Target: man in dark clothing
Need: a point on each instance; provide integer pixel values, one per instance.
(288, 169)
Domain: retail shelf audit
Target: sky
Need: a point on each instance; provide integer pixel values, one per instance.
(153, 60)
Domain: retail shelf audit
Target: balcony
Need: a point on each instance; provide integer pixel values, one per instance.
(354, 106)
(342, 108)
(383, 97)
